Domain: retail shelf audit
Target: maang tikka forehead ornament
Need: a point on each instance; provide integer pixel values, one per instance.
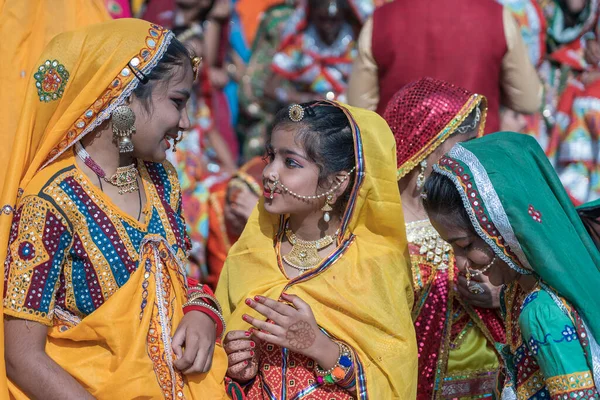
(297, 113)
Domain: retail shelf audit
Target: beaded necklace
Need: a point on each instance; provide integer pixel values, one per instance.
(125, 178)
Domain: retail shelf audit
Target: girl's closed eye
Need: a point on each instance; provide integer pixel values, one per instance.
(179, 103)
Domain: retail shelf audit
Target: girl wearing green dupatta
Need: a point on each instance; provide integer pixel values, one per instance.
(499, 203)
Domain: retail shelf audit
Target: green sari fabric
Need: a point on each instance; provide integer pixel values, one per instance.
(517, 204)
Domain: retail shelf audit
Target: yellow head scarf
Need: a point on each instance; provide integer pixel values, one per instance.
(26, 27)
(80, 78)
(361, 294)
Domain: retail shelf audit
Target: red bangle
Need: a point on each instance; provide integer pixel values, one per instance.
(217, 319)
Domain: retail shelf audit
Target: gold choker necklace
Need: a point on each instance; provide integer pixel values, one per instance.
(305, 254)
(125, 179)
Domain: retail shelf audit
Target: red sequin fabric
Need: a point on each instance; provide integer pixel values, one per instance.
(423, 114)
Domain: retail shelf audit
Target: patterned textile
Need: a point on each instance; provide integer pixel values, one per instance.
(257, 110)
(517, 205)
(424, 113)
(191, 162)
(546, 350)
(446, 326)
(89, 248)
(280, 365)
(311, 65)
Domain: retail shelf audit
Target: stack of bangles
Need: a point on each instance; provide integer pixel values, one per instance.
(201, 298)
(342, 373)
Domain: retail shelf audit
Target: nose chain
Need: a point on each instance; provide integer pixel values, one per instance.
(311, 197)
(478, 272)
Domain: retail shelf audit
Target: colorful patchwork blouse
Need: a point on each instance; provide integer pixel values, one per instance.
(71, 248)
(548, 350)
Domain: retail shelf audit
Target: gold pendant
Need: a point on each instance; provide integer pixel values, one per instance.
(125, 179)
(305, 254)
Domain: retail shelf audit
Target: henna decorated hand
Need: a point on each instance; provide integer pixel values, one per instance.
(292, 327)
(490, 298)
(241, 356)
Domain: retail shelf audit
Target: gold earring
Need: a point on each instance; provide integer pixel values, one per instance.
(421, 177)
(177, 141)
(123, 126)
(327, 207)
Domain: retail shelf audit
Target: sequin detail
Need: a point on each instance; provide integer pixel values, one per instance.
(77, 265)
(423, 114)
(535, 214)
(50, 80)
(119, 88)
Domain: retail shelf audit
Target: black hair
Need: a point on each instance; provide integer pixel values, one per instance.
(175, 55)
(442, 198)
(326, 137)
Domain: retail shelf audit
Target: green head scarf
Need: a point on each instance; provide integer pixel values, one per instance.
(518, 205)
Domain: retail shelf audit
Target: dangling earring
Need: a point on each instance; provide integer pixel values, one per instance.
(176, 141)
(421, 177)
(327, 207)
(123, 126)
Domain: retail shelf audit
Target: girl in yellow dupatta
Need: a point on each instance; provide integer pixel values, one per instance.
(324, 260)
(97, 299)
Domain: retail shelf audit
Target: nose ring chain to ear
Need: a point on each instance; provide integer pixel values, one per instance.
(315, 196)
(273, 188)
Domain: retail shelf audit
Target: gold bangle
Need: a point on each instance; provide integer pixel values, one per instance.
(199, 295)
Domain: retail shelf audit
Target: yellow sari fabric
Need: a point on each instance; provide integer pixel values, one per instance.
(108, 351)
(361, 294)
(26, 27)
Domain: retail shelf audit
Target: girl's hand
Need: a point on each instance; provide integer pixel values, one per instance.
(294, 328)
(241, 356)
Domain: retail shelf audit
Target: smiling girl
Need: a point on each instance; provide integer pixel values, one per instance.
(95, 296)
(317, 291)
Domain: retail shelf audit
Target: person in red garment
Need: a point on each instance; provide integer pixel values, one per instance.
(473, 44)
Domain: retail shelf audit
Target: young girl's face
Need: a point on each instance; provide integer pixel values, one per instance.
(288, 165)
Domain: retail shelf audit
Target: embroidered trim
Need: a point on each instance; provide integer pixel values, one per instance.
(491, 200)
(50, 80)
(445, 133)
(118, 90)
(565, 384)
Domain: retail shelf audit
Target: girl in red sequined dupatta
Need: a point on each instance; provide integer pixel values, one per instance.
(455, 337)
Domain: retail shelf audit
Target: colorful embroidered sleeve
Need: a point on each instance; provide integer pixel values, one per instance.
(553, 340)
(39, 242)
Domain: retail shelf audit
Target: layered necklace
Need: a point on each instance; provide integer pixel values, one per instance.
(305, 253)
(125, 178)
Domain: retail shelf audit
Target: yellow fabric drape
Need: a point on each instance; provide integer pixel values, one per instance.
(363, 297)
(94, 66)
(26, 27)
(109, 351)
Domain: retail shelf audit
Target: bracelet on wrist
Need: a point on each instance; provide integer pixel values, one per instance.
(341, 368)
(210, 311)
